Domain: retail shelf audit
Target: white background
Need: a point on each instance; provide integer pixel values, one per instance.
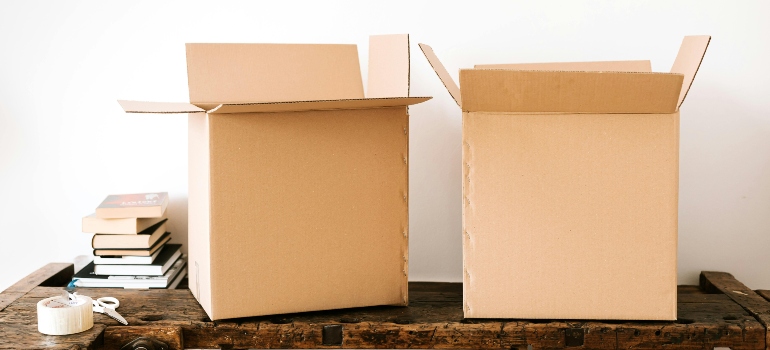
(65, 143)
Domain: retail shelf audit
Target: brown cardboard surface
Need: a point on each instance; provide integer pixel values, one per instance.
(159, 107)
(199, 209)
(598, 66)
(570, 215)
(442, 73)
(297, 183)
(570, 92)
(308, 210)
(388, 66)
(317, 105)
(570, 188)
(236, 73)
(688, 61)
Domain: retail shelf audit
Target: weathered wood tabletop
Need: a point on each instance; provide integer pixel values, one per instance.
(721, 312)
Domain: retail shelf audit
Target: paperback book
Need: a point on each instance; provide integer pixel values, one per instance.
(123, 226)
(126, 260)
(168, 255)
(133, 251)
(138, 205)
(142, 240)
(87, 278)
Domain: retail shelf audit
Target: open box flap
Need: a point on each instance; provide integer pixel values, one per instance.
(264, 107)
(388, 66)
(159, 107)
(231, 73)
(442, 73)
(489, 90)
(688, 61)
(598, 66)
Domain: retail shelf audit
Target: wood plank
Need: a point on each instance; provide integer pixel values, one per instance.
(26, 336)
(764, 293)
(433, 320)
(50, 274)
(725, 283)
(116, 337)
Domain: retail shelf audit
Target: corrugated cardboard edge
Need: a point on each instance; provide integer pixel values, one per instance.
(596, 66)
(296, 106)
(688, 61)
(159, 107)
(199, 216)
(388, 66)
(268, 107)
(405, 229)
(466, 207)
(389, 75)
(442, 73)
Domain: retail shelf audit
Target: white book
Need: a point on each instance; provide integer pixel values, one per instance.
(86, 278)
(165, 260)
(126, 260)
(178, 278)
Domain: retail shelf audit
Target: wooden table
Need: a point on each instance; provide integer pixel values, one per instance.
(721, 312)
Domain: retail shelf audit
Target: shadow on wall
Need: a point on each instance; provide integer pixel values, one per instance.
(177, 219)
(724, 190)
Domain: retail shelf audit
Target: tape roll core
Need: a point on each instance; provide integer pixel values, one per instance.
(57, 318)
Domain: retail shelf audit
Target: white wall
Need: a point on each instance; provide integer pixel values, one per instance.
(65, 143)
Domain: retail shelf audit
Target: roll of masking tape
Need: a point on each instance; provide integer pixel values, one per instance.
(60, 316)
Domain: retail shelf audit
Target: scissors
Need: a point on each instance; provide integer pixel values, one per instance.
(107, 306)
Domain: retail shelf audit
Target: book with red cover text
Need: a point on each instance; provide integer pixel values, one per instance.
(137, 205)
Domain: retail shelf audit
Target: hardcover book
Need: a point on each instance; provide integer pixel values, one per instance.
(142, 240)
(135, 252)
(126, 260)
(168, 255)
(138, 205)
(87, 278)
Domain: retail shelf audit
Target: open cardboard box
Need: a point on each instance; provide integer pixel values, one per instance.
(570, 186)
(298, 183)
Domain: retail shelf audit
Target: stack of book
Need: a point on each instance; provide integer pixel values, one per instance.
(130, 243)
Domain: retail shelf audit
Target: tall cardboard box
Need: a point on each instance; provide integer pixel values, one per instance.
(298, 184)
(570, 187)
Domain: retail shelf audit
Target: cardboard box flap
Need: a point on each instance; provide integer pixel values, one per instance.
(442, 73)
(688, 61)
(231, 73)
(598, 66)
(388, 66)
(488, 90)
(264, 107)
(159, 107)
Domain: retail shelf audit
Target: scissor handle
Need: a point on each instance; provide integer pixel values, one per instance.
(109, 302)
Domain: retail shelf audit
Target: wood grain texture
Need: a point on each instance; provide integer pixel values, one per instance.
(26, 336)
(48, 275)
(116, 337)
(763, 293)
(722, 282)
(433, 320)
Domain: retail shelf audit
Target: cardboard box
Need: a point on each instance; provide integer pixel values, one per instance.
(298, 184)
(570, 187)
